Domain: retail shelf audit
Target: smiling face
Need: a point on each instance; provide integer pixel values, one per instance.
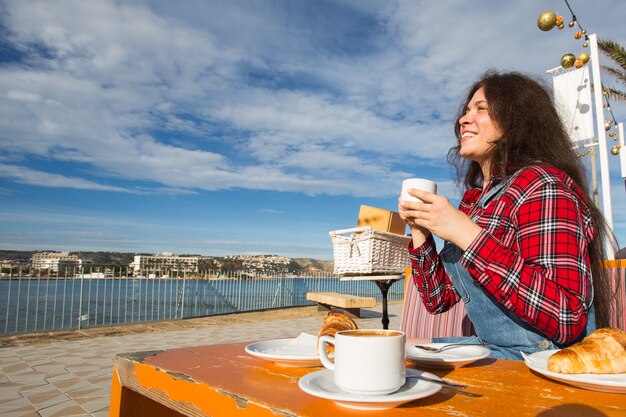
(478, 132)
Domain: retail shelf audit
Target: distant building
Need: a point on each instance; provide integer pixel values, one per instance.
(59, 262)
(164, 263)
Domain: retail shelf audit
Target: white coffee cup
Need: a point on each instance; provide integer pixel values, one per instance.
(367, 361)
(419, 184)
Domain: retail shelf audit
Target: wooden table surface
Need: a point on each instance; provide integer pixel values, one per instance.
(224, 381)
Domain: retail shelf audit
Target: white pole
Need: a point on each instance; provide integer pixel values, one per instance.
(604, 156)
(622, 153)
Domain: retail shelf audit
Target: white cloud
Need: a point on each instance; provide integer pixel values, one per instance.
(113, 72)
(46, 179)
(338, 98)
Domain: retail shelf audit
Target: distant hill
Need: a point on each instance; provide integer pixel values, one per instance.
(315, 264)
(125, 258)
(16, 256)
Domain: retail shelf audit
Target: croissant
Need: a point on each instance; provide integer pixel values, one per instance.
(333, 322)
(601, 352)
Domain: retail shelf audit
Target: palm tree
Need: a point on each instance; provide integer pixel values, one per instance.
(617, 54)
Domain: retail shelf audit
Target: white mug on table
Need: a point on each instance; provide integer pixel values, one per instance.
(419, 184)
(367, 362)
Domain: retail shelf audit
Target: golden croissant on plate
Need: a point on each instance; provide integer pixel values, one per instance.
(601, 352)
(334, 322)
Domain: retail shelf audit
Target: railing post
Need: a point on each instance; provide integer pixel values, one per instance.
(80, 299)
(182, 302)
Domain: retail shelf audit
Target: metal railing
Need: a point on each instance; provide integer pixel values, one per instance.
(46, 302)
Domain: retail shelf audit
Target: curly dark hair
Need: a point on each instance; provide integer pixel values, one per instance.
(532, 133)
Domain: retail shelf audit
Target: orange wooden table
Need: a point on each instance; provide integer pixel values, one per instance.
(224, 381)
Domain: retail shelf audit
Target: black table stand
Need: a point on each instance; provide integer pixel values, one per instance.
(384, 289)
(384, 282)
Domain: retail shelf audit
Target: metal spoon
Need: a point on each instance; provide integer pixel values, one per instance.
(448, 346)
(437, 381)
(447, 385)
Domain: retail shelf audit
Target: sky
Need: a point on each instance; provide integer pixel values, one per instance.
(232, 127)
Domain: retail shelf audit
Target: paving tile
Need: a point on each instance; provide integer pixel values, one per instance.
(51, 369)
(8, 395)
(32, 385)
(85, 392)
(7, 354)
(44, 400)
(104, 375)
(101, 413)
(16, 405)
(35, 359)
(103, 383)
(32, 389)
(92, 404)
(90, 375)
(16, 368)
(68, 359)
(68, 382)
(23, 351)
(64, 409)
(23, 413)
(27, 376)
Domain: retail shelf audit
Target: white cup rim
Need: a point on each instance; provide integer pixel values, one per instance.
(382, 332)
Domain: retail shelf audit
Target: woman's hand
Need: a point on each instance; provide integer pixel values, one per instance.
(418, 233)
(438, 216)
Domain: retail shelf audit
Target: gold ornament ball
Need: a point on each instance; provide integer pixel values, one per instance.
(568, 60)
(585, 44)
(578, 35)
(611, 134)
(615, 150)
(572, 23)
(546, 21)
(561, 26)
(584, 57)
(578, 63)
(607, 125)
(559, 20)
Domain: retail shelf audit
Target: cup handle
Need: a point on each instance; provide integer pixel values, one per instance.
(321, 349)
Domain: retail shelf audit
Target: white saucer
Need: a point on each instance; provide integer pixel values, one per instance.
(453, 357)
(322, 384)
(615, 383)
(286, 352)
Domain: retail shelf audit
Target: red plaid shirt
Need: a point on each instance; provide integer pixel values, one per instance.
(532, 254)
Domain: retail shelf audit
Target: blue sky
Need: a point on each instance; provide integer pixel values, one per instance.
(243, 127)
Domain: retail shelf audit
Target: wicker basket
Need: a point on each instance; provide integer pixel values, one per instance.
(363, 250)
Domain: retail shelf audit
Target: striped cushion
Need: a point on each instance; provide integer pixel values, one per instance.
(417, 322)
(618, 307)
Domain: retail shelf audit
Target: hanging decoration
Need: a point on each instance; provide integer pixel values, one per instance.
(588, 151)
(568, 60)
(611, 123)
(549, 19)
(546, 21)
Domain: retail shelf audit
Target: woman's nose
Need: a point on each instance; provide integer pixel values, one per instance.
(465, 119)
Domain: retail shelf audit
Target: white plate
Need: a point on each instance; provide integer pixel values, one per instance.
(453, 357)
(285, 352)
(615, 383)
(322, 384)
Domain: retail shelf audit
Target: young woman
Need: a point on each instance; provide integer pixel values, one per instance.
(523, 251)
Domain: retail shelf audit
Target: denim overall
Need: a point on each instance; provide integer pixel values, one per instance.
(493, 323)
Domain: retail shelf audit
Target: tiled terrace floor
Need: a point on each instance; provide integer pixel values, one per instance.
(69, 374)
